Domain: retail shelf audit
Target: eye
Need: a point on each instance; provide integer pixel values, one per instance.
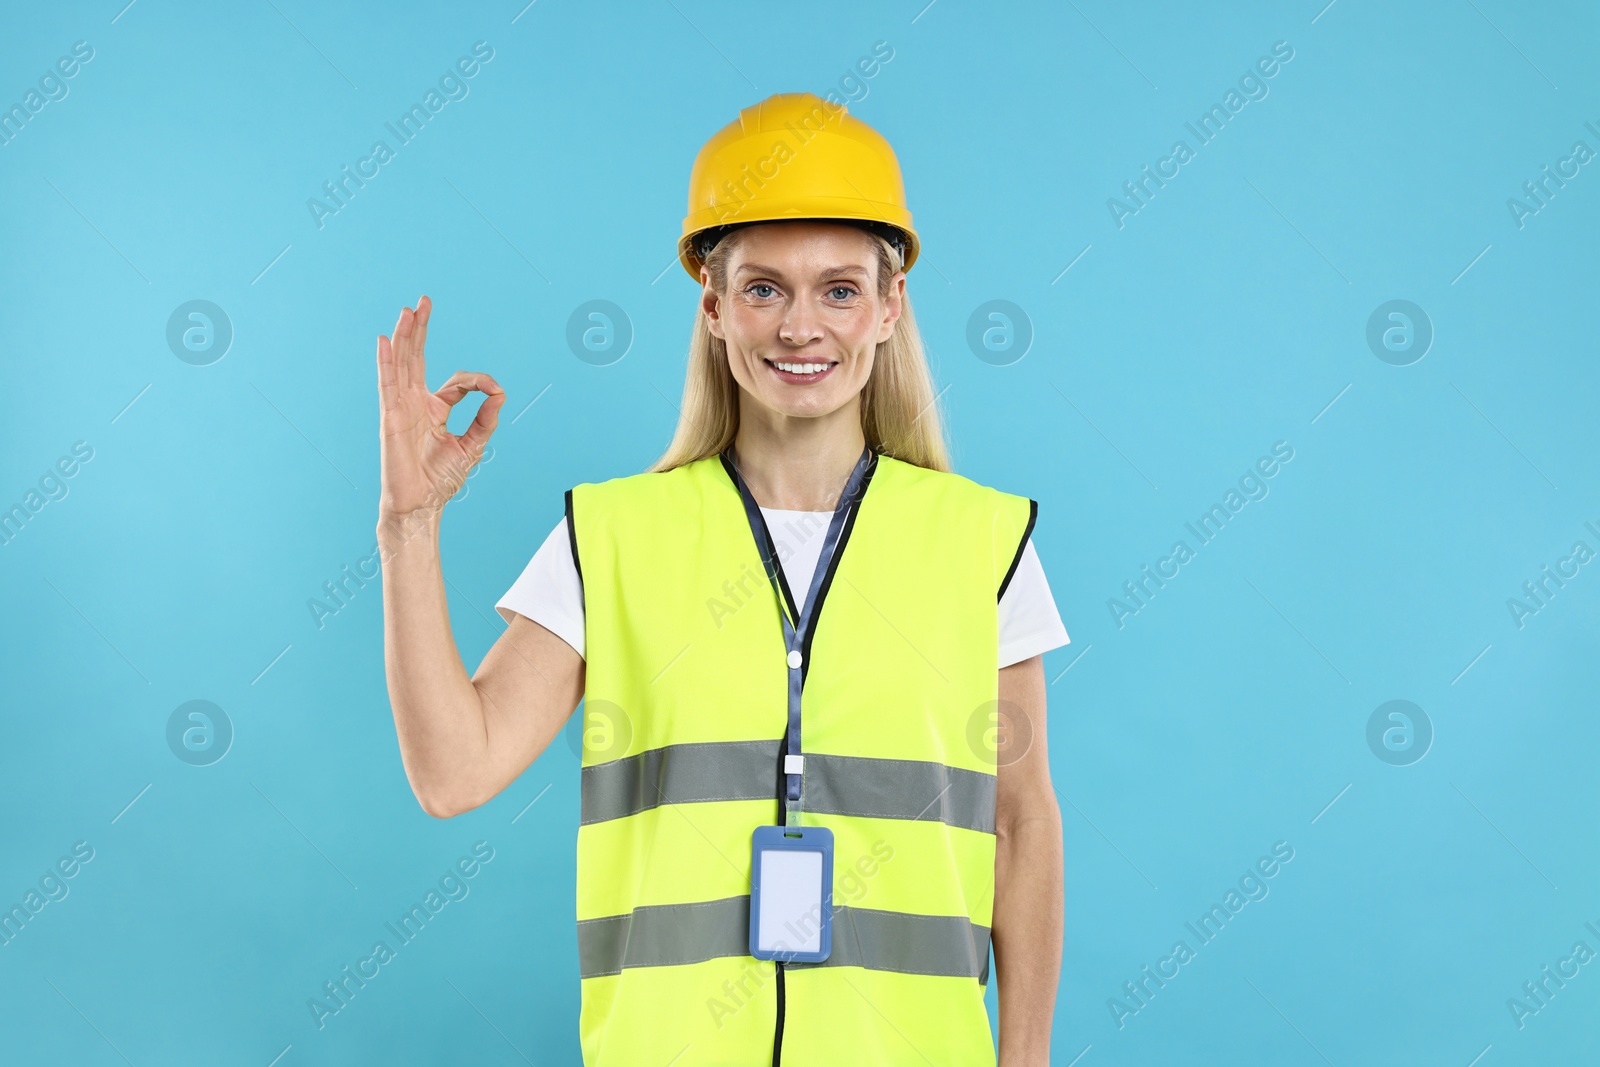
(848, 291)
(751, 289)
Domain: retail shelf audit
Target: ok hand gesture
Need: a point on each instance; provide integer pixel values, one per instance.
(424, 464)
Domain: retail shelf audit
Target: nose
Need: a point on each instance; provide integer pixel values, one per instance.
(802, 324)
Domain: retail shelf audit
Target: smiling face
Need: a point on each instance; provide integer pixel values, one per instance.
(802, 316)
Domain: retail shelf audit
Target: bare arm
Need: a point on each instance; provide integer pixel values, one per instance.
(1029, 902)
(462, 740)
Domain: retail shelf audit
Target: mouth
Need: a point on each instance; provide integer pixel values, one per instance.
(801, 372)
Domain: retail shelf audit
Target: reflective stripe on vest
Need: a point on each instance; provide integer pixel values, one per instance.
(685, 655)
(835, 785)
(663, 935)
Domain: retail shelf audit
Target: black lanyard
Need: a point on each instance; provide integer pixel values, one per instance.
(796, 630)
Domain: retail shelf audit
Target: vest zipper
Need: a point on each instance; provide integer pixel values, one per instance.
(777, 1036)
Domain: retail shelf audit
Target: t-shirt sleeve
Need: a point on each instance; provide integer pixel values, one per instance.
(549, 591)
(1029, 621)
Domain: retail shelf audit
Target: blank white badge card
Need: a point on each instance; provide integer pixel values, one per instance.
(791, 901)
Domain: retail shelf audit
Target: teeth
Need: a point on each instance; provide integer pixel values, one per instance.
(802, 368)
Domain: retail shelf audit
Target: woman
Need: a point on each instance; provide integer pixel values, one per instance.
(739, 739)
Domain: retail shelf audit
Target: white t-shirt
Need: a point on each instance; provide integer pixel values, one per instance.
(550, 592)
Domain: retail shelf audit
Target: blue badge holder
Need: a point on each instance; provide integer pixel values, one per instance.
(798, 892)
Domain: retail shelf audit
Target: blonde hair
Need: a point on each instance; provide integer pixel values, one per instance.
(899, 408)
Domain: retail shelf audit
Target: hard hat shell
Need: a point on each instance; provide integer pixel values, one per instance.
(795, 156)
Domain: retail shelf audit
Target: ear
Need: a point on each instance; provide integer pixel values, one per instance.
(893, 304)
(711, 303)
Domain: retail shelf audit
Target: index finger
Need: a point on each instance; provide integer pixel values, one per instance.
(463, 382)
(388, 383)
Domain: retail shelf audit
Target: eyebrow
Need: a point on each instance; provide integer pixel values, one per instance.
(829, 272)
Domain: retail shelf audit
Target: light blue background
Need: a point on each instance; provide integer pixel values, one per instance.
(1228, 314)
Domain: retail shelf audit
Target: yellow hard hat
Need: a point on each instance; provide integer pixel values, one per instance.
(794, 156)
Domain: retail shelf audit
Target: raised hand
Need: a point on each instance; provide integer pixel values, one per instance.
(424, 464)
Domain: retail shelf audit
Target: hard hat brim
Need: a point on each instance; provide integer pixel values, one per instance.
(827, 210)
(795, 156)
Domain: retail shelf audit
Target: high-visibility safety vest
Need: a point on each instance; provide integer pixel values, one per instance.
(685, 715)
